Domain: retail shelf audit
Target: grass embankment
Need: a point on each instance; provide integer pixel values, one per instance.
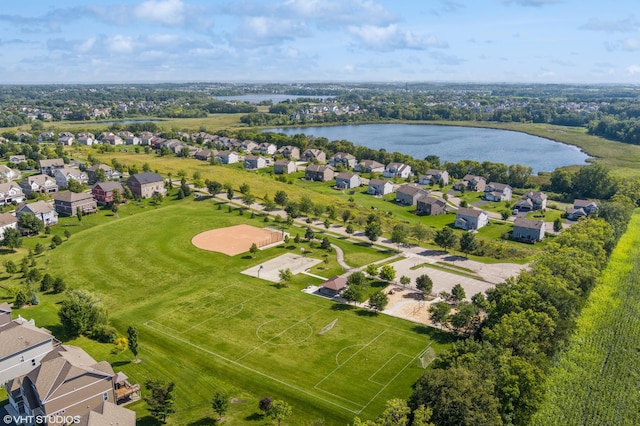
(207, 327)
(596, 381)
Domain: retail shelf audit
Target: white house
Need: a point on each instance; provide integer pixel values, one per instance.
(379, 187)
(64, 175)
(471, 219)
(227, 157)
(7, 220)
(9, 174)
(399, 170)
(42, 184)
(41, 209)
(10, 192)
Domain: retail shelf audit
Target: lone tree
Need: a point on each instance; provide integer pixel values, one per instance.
(309, 234)
(214, 187)
(387, 273)
(11, 239)
(373, 231)
(229, 194)
(285, 276)
(468, 243)
(399, 235)
(279, 410)
(132, 336)
(557, 225)
(457, 293)
(220, 404)
(81, 312)
(281, 198)
(30, 223)
(439, 313)
(160, 398)
(253, 250)
(424, 284)
(264, 405)
(378, 301)
(405, 280)
(445, 238)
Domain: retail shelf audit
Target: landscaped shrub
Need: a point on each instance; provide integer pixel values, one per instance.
(104, 334)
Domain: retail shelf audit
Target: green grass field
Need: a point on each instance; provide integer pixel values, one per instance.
(207, 327)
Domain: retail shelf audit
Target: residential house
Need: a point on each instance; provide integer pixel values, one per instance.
(7, 220)
(67, 381)
(471, 219)
(497, 192)
(86, 138)
(41, 184)
(537, 198)
(107, 414)
(318, 173)
(342, 159)
(434, 176)
(575, 214)
(24, 136)
(409, 193)
(253, 162)
(431, 206)
(23, 345)
(130, 139)
(369, 166)
(145, 138)
(284, 167)
(8, 174)
(48, 167)
(17, 159)
(399, 170)
(347, 180)
(111, 138)
(290, 152)
(66, 139)
(523, 205)
(313, 155)
(67, 203)
(144, 185)
(10, 192)
(227, 157)
(587, 205)
(248, 145)
(64, 175)
(472, 183)
(41, 209)
(46, 137)
(529, 231)
(265, 148)
(103, 191)
(111, 174)
(205, 154)
(379, 187)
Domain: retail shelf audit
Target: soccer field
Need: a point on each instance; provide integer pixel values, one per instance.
(279, 337)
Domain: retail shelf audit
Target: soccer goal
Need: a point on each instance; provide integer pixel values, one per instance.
(427, 357)
(328, 327)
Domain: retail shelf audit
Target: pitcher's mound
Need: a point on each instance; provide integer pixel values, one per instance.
(236, 239)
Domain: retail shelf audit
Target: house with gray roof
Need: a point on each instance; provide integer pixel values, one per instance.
(369, 166)
(68, 203)
(48, 167)
(253, 162)
(144, 185)
(102, 192)
(227, 157)
(7, 220)
(314, 155)
(10, 192)
(589, 206)
(346, 180)
(409, 193)
(471, 219)
(529, 231)
(111, 174)
(472, 183)
(342, 159)
(318, 173)
(66, 174)
(289, 151)
(40, 209)
(497, 192)
(284, 167)
(379, 187)
(399, 170)
(41, 184)
(434, 176)
(431, 206)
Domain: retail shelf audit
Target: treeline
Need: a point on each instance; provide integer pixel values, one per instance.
(497, 376)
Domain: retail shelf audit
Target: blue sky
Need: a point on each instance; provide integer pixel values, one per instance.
(538, 41)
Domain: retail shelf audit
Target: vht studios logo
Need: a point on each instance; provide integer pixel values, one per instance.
(56, 419)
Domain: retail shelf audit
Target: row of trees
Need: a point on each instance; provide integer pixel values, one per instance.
(497, 376)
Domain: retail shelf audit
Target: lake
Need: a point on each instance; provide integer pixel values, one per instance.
(256, 98)
(452, 143)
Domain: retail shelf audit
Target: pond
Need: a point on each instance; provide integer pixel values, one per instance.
(453, 143)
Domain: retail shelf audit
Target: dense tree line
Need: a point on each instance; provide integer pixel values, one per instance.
(497, 376)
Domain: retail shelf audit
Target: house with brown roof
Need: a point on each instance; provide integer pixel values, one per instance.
(111, 138)
(471, 219)
(264, 148)
(86, 138)
(589, 206)
(472, 183)
(67, 203)
(253, 162)
(538, 200)
(529, 231)
(434, 176)
(314, 155)
(319, 173)
(346, 180)
(108, 414)
(205, 154)
(23, 345)
(67, 381)
(333, 286)
(145, 138)
(41, 184)
(66, 139)
(66, 174)
(40, 209)
(48, 167)
(10, 192)
(342, 159)
(102, 192)
(289, 151)
(17, 159)
(144, 185)
(431, 206)
(379, 187)
(227, 157)
(7, 220)
(284, 167)
(409, 193)
(369, 166)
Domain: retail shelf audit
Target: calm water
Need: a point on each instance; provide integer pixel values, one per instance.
(256, 98)
(452, 143)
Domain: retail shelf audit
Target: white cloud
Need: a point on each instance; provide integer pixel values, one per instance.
(534, 3)
(626, 25)
(391, 37)
(168, 12)
(633, 69)
(120, 44)
(86, 45)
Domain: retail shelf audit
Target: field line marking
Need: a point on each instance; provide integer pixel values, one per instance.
(165, 326)
(349, 359)
(238, 364)
(277, 335)
(344, 349)
(342, 398)
(384, 365)
(392, 379)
